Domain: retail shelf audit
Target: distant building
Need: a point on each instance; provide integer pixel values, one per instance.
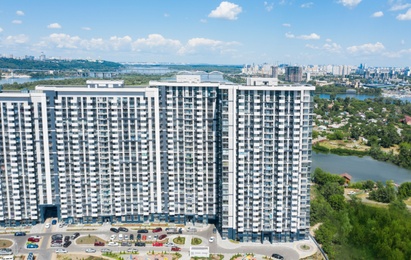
(293, 74)
(347, 177)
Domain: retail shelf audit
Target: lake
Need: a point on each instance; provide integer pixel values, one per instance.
(361, 168)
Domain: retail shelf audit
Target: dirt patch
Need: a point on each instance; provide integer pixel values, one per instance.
(86, 240)
(5, 243)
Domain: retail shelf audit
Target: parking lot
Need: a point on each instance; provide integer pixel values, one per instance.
(139, 240)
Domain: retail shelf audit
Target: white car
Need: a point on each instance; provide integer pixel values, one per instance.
(90, 250)
(61, 250)
(38, 237)
(112, 244)
(171, 244)
(113, 237)
(125, 237)
(47, 225)
(120, 237)
(211, 240)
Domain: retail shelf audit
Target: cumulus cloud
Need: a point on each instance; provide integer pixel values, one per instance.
(268, 6)
(17, 21)
(119, 43)
(16, 39)
(332, 47)
(367, 48)
(399, 7)
(195, 45)
(404, 17)
(62, 40)
(86, 28)
(307, 5)
(378, 14)
(312, 36)
(54, 26)
(286, 25)
(350, 3)
(155, 43)
(226, 10)
(397, 54)
(20, 13)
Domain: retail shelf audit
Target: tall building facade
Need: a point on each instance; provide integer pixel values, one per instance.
(293, 74)
(195, 149)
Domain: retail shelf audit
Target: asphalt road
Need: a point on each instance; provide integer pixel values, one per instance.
(217, 247)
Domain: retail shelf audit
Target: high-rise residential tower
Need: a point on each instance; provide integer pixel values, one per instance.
(189, 150)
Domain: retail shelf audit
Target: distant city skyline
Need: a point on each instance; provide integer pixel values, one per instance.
(214, 32)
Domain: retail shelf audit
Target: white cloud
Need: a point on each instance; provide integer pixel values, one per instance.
(328, 40)
(54, 26)
(204, 45)
(268, 6)
(119, 43)
(286, 25)
(367, 48)
(332, 47)
(350, 3)
(226, 10)
(16, 39)
(289, 35)
(1, 29)
(63, 41)
(397, 54)
(399, 7)
(378, 14)
(86, 28)
(406, 16)
(17, 22)
(20, 13)
(156, 43)
(312, 36)
(307, 5)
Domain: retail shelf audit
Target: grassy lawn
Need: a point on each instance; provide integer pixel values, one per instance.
(348, 144)
(196, 241)
(88, 240)
(5, 243)
(179, 240)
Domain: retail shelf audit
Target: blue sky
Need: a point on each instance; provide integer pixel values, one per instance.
(375, 32)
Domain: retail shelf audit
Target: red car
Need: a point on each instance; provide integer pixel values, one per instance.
(159, 229)
(99, 243)
(157, 244)
(175, 248)
(33, 239)
(162, 237)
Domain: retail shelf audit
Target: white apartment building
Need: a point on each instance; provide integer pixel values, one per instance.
(194, 149)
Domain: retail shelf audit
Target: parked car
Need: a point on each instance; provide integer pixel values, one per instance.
(32, 246)
(114, 230)
(75, 235)
(30, 256)
(175, 248)
(171, 244)
(61, 250)
(57, 237)
(162, 237)
(57, 241)
(112, 243)
(277, 256)
(90, 250)
(142, 231)
(105, 250)
(132, 250)
(18, 234)
(125, 244)
(32, 239)
(54, 222)
(99, 243)
(211, 240)
(157, 244)
(156, 230)
(120, 237)
(123, 229)
(125, 237)
(140, 244)
(36, 237)
(138, 236)
(56, 244)
(66, 238)
(112, 237)
(131, 237)
(67, 244)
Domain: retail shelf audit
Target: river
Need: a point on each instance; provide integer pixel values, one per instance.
(357, 96)
(361, 168)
